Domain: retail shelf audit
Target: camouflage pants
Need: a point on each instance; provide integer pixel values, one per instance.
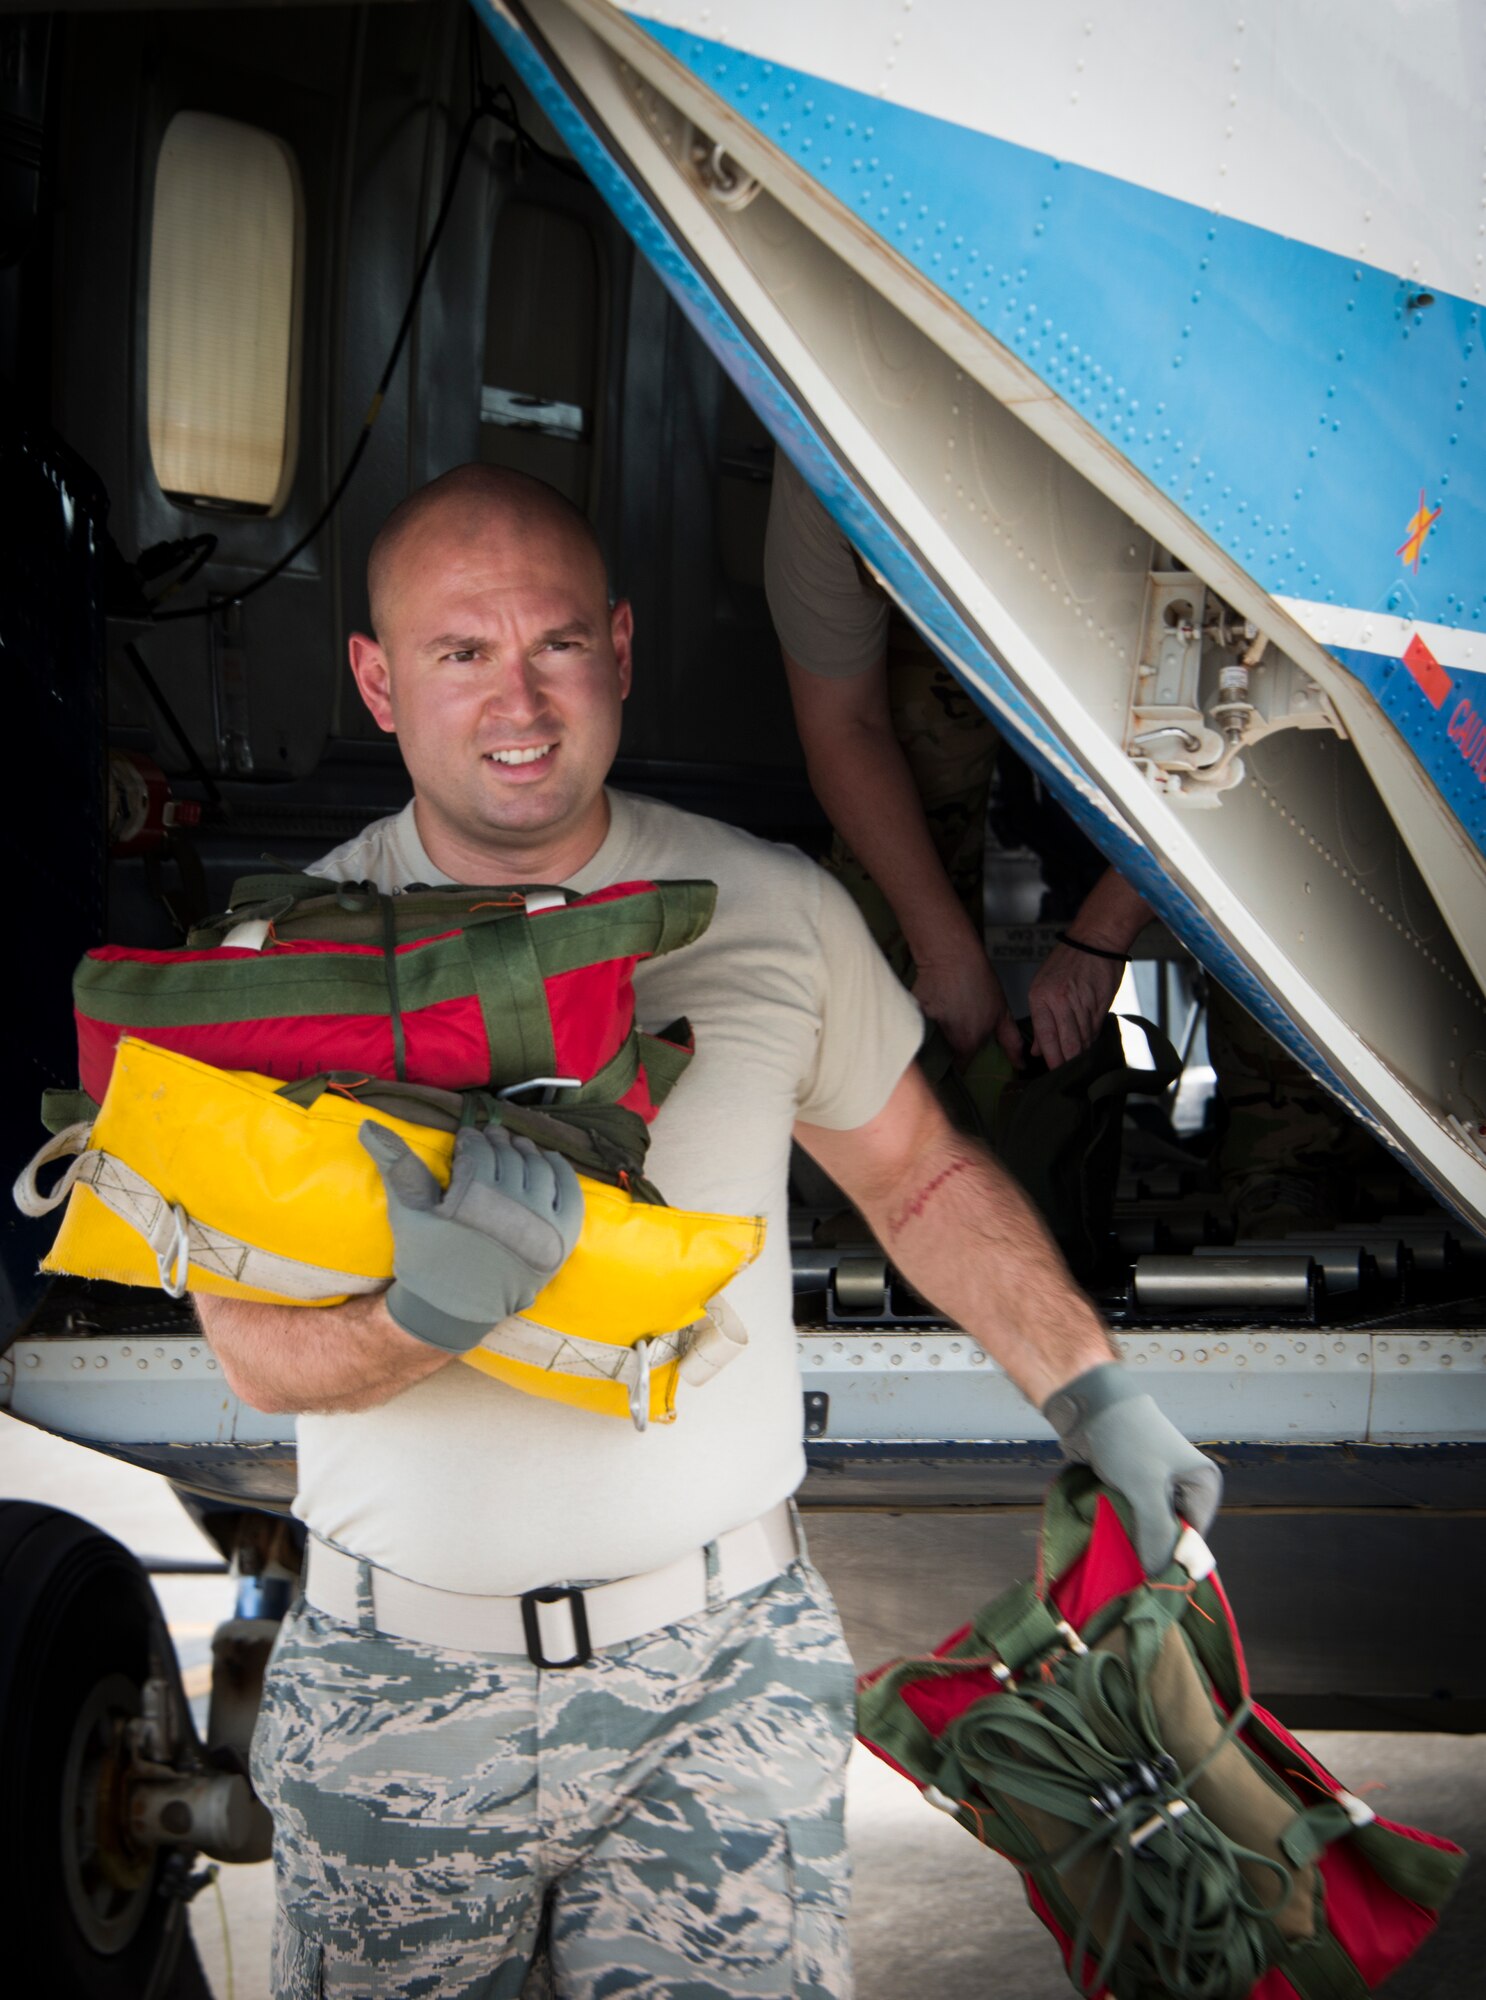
(663, 1823)
(950, 745)
(1280, 1120)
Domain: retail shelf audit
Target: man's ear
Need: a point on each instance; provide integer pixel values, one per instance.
(622, 638)
(373, 678)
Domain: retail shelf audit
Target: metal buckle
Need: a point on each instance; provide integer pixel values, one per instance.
(1142, 1779)
(639, 1387)
(531, 1623)
(548, 1086)
(174, 1261)
(1070, 1638)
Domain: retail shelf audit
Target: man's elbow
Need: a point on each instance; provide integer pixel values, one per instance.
(220, 1323)
(250, 1388)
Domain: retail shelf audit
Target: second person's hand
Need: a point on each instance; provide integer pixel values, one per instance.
(963, 997)
(1070, 996)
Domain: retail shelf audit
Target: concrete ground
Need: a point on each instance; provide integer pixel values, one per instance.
(934, 1913)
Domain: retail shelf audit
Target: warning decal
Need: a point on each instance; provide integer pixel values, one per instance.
(1427, 671)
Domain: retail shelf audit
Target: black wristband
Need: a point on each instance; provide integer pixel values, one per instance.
(1093, 950)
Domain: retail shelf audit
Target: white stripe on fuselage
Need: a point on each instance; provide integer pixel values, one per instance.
(1356, 129)
(1384, 633)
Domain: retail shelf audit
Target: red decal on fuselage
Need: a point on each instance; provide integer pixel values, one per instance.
(1467, 731)
(1427, 671)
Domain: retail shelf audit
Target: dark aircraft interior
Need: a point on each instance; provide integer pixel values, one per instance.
(412, 273)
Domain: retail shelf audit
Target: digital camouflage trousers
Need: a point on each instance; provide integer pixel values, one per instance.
(663, 1823)
(1289, 1152)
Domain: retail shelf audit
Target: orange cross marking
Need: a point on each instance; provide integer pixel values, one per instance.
(1412, 546)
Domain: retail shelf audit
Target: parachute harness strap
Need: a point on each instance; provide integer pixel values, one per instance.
(394, 1005)
(1085, 1745)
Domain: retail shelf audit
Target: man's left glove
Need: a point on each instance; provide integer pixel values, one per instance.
(1106, 1421)
(467, 1256)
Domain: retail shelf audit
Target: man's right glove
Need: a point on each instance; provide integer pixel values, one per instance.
(469, 1255)
(1106, 1421)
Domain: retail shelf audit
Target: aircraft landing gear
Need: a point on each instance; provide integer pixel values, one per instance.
(92, 1904)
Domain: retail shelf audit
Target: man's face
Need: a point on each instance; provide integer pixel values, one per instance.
(502, 668)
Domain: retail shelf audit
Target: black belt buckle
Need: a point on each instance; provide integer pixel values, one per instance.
(554, 1594)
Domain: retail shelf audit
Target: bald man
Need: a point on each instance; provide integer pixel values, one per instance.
(663, 1807)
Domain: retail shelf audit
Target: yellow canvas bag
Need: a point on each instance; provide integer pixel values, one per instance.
(201, 1179)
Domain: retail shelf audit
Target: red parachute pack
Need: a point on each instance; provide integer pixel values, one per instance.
(1097, 1729)
(456, 988)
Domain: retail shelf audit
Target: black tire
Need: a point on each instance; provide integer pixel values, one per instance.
(82, 1919)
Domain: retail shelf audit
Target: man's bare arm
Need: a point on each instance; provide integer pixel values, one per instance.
(860, 775)
(964, 1235)
(1074, 989)
(466, 1256)
(303, 1359)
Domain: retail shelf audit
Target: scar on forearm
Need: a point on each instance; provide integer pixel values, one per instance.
(911, 1210)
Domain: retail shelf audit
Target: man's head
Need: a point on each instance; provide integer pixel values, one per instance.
(500, 664)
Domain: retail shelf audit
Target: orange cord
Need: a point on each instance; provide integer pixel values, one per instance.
(350, 1089)
(1306, 1778)
(1187, 1590)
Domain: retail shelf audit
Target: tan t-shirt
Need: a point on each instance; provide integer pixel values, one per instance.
(831, 621)
(468, 1484)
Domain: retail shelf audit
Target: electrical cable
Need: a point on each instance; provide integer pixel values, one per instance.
(194, 551)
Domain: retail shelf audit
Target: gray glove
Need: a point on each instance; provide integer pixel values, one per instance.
(469, 1255)
(1107, 1422)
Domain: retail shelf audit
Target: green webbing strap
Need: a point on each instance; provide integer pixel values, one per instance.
(307, 1090)
(1013, 1631)
(456, 928)
(264, 888)
(134, 995)
(645, 925)
(265, 898)
(61, 1108)
(349, 912)
(602, 1140)
(663, 1065)
(1019, 1626)
(389, 960)
(885, 1720)
(513, 1001)
(1426, 1875)
(1068, 1518)
(1082, 1748)
(665, 1057)
(686, 910)
(1319, 1969)
(1311, 1832)
(415, 1103)
(617, 1076)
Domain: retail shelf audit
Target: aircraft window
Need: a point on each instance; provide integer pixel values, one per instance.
(542, 346)
(226, 284)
